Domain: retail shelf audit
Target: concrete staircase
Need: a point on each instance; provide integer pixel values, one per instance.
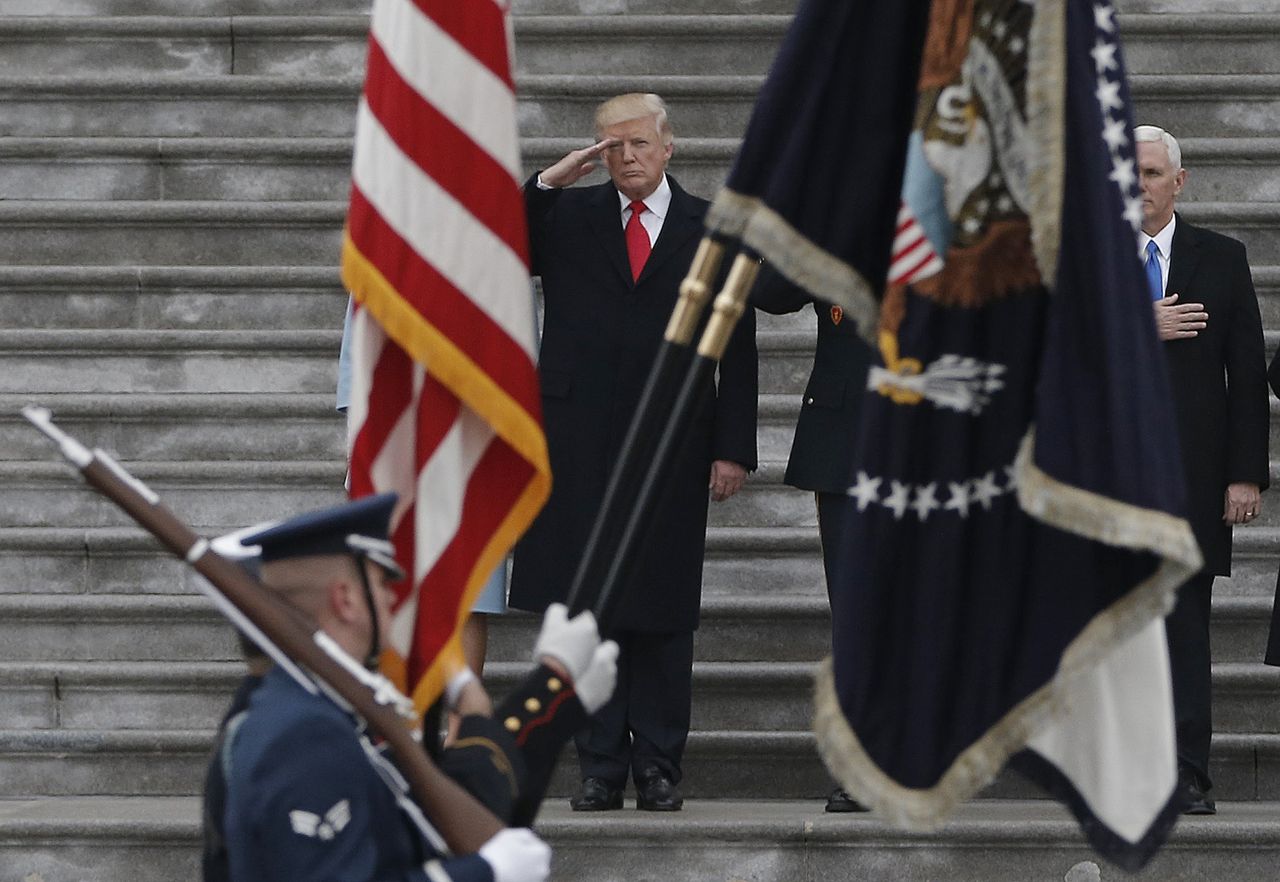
(173, 176)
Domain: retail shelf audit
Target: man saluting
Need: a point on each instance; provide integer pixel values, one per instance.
(611, 258)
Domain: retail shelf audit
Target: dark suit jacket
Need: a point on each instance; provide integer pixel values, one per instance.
(1219, 383)
(827, 428)
(601, 333)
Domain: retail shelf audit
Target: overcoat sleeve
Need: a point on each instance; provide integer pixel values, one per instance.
(538, 206)
(774, 293)
(1248, 404)
(737, 397)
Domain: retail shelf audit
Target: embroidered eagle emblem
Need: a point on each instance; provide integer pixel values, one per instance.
(315, 827)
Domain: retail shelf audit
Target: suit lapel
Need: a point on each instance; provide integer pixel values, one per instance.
(682, 221)
(606, 220)
(1182, 263)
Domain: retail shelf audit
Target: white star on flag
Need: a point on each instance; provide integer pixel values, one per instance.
(1104, 56)
(866, 491)
(925, 501)
(960, 499)
(1109, 94)
(1122, 174)
(898, 499)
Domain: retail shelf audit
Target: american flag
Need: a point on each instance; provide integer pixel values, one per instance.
(445, 408)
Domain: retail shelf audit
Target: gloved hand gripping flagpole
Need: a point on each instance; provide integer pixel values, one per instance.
(652, 441)
(463, 822)
(645, 430)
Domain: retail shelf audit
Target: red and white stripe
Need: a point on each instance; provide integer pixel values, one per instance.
(913, 257)
(444, 407)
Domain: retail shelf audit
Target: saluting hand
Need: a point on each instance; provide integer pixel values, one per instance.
(576, 164)
(1179, 321)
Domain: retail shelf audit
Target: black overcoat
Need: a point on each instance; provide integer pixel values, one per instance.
(1219, 383)
(822, 451)
(601, 333)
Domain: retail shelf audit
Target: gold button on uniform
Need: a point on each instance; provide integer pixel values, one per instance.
(512, 724)
(554, 684)
(532, 705)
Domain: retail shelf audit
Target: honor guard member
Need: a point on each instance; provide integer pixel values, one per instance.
(308, 797)
(827, 428)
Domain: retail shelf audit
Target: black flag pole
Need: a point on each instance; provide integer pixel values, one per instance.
(645, 431)
(729, 307)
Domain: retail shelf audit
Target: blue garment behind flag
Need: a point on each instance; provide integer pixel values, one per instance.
(1016, 501)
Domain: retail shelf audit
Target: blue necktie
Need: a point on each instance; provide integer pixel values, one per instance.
(1153, 271)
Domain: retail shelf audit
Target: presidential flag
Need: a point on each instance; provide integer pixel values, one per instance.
(1015, 503)
(445, 408)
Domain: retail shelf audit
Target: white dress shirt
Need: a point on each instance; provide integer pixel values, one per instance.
(658, 202)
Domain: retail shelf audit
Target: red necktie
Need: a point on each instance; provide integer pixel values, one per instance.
(637, 240)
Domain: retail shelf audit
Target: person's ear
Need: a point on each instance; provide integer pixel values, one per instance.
(343, 600)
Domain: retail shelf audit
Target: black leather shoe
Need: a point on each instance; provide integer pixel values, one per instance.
(656, 793)
(1194, 800)
(596, 795)
(841, 801)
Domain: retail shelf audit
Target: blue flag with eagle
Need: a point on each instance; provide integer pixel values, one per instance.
(959, 178)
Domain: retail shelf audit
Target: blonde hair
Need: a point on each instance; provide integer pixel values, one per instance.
(635, 105)
(1155, 134)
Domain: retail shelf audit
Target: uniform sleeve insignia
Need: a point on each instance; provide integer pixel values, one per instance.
(314, 827)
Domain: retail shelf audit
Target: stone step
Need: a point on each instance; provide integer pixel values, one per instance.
(1200, 41)
(740, 562)
(115, 168)
(1208, 105)
(80, 595)
(309, 169)
(176, 685)
(335, 45)
(550, 44)
(93, 362)
(210, 494)
(223, 106)
(157, 839)
(170, 298)
(549, 105)
(74, 8)
(184, 427)
(166, 233)
(255, 168)
(736, 764)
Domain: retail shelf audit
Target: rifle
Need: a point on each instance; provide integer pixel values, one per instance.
(464, 824)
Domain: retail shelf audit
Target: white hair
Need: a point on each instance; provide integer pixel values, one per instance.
(1153, 134)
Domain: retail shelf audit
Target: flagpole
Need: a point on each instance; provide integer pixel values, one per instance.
(645, 431)
(729, 307)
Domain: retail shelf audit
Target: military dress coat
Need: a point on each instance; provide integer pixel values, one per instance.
(1219, 383)
(305, 802)
(826, 430)
(601, 334)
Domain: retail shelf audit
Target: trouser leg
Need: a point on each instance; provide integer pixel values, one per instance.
(1190, 663)
(660, 700)
(604, 746)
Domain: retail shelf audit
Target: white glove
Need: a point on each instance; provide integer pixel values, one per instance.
(571, 642)
(596, 683)
(517, 855)
(453, 690)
